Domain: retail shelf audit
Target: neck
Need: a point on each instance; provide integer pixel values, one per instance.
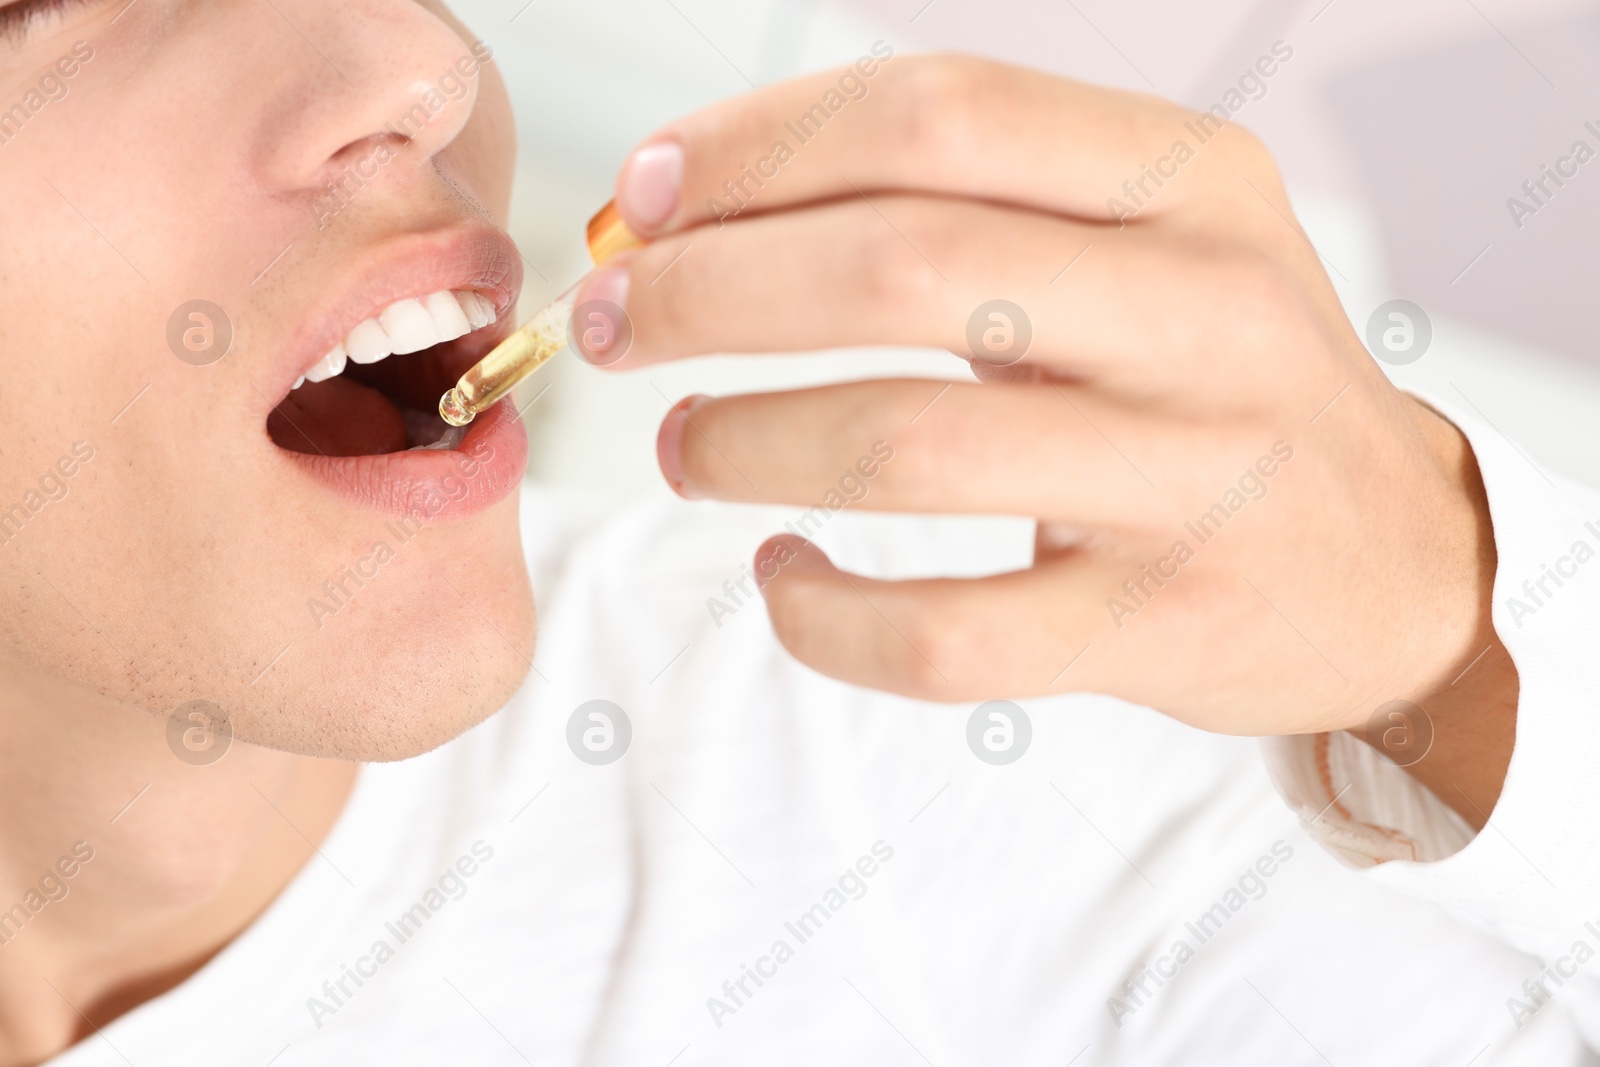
(124, 865)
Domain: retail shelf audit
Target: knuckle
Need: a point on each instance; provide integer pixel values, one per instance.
(938, 101)
(1243, 167)
(934, 650)
(1262, 294)
(892, 273)
(1247, 152)
(937, 443)
(1251, 295)
(1234, 165)
(931, 226)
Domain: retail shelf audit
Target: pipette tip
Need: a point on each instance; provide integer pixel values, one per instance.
(453, 408)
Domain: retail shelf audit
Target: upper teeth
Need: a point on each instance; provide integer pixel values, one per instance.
(408, 325)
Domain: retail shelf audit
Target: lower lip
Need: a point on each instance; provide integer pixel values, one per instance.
(433, 484)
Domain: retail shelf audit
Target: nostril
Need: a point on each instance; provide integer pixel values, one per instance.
(387, 143)
(382, 81)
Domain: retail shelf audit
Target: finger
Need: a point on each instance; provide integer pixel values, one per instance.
(953, 125)
(910, 445)
(1079, 622)
(938, 639)
(990, 282)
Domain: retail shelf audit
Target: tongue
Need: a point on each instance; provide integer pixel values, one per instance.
(338, 417)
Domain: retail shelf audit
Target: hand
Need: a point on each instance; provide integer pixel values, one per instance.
(1242, 523)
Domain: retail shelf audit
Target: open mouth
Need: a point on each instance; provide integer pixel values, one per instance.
(377, 390)
(359, 409)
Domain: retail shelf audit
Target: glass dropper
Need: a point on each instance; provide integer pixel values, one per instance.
(510, 362)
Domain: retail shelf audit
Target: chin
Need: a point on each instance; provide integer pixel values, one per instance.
(402, 698)
(391, 683)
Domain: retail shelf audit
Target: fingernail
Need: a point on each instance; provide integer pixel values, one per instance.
(652, 184)
(601, 329)
(669, 443)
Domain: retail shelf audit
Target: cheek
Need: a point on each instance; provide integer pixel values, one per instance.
(484, 156)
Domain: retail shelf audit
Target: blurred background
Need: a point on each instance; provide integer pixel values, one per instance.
(1403, 130)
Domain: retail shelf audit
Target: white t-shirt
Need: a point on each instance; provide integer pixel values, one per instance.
(782, 869)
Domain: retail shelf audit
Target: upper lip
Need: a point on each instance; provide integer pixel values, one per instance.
(475, 257)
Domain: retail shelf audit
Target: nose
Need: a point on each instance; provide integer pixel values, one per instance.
(374, 82)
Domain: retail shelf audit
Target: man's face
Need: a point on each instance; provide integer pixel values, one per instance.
(176, 521)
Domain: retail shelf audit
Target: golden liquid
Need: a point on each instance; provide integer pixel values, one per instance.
(508, 364)
(525, 351)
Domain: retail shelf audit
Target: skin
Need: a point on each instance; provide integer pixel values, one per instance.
(1194, 342)
(218, 540)
(180, 561)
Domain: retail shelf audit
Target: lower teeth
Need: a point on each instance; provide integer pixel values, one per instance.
(446, 443)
